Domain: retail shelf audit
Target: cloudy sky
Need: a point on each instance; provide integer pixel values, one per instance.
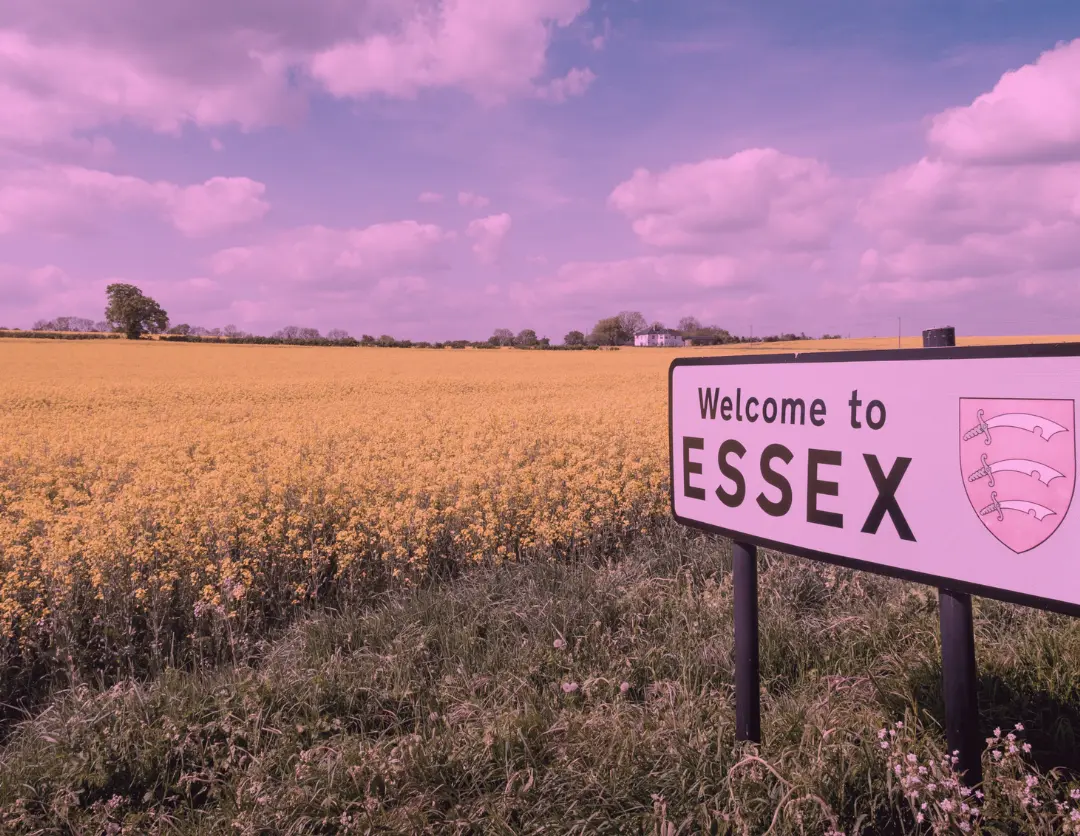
(440, 168)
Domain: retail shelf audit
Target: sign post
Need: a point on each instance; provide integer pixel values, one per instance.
(747, 668)
(959, 674)
(952, 467)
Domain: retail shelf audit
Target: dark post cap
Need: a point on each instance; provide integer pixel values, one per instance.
(938, 337)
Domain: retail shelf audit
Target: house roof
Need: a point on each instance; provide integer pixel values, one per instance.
(645, 331)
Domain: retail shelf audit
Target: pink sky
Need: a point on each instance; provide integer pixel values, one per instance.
(441, 169)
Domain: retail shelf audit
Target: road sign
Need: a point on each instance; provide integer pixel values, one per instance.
(949, 466)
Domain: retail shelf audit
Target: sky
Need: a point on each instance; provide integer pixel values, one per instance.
(437, 169)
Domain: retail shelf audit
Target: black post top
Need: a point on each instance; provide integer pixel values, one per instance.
(938, 337)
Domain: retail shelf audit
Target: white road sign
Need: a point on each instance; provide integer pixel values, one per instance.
(951, 466)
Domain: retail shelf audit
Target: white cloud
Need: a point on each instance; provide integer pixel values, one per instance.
(336, 257)
(1031, 115)
(573, 84)
(490, 50)
(218, 204)
(755, 199)
(488, 235)
(472, 201)
(52, 88)
(68, 66)
(68, 199)
(997, 197)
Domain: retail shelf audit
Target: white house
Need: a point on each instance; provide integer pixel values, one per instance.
(658, 336)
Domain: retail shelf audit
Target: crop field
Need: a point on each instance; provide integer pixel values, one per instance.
(157, 496)
(160, 503)
(179, 505)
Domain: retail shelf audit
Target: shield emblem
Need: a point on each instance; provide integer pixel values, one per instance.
(1018, 462)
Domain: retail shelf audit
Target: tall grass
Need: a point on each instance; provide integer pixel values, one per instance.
(570, 697)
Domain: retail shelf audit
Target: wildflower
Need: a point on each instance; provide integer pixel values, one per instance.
(559, 644)
(624, 687)
(569, 687)
(1019, 726)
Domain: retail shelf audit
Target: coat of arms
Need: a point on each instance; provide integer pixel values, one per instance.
(1018, 460)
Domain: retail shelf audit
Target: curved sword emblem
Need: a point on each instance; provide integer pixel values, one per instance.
(1043, 472)
(1016, 420)
(1040, 512)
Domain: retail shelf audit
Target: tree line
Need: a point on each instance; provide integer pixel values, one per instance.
(130, 312)
(621, 329)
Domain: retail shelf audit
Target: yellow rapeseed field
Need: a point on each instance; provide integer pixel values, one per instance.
(161, 499)
(149, 491)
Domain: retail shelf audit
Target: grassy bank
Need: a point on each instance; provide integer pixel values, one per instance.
(566, 698)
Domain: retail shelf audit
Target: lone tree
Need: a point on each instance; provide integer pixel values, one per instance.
(134, 314)
(574, 338)
(689, 324)
(631, 322)
(608, 332)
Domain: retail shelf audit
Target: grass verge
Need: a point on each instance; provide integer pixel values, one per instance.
(571, 698)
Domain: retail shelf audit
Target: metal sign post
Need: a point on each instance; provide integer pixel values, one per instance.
(959, 674)
(747, 668)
